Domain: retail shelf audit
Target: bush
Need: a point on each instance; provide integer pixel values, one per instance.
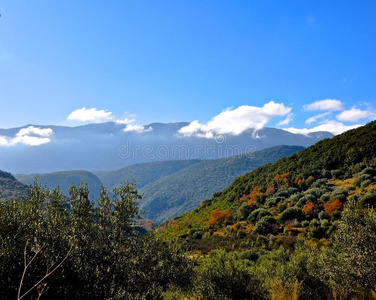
(290, 214)
(225, 276)
(244, 210)
(265, 225)
(258, 214)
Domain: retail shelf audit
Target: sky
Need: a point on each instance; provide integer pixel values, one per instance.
(223, 66)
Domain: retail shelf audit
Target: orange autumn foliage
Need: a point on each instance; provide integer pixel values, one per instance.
(251, 203)
(253, 196)
(218, 216)
(307, 208)
(255, 193)
(332, 207)
(282, 179)
(270, 190)
(299, 181)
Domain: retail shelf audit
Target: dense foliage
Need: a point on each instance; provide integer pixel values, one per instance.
(71, 249)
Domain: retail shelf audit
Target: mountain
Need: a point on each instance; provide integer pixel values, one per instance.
(108, 146)
(183, 190)
(302, 194)
(143, 173)
(64, 179)
(10, 187)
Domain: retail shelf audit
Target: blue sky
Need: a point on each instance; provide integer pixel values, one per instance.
(164, 61)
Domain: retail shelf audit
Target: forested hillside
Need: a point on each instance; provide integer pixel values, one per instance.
(143, 173)
(10, 187)
(64, 180)
(183, 190)
(303, 193)
(301, 228)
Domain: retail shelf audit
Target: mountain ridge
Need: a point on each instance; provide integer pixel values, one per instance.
(106, 146)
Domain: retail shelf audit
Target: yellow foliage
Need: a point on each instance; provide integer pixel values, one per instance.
(282, 291)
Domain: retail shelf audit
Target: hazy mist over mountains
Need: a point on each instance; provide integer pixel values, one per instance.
(104, 146)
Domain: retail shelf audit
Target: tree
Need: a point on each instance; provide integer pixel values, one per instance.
(69, 248)
(350, 266)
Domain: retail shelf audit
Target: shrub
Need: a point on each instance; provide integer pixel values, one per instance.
(331, 207)
(290, 214)
(244, 210)
(258, 214)
(225, 276)
(265, 225)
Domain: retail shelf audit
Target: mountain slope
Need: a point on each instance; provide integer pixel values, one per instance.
(64, 180)
(10, 187)
(302, 194)
(184, 190)
(142, 173)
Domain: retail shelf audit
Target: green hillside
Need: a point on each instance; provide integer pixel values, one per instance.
(143, 173)
(10, 187)
(301, 195)
(64, 179)
(183, 190)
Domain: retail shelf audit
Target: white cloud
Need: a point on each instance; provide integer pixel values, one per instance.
(90, 115)
(315, 118)
(329, 126)
(3, 141)
(236, 121)
(137, 128)
(30, 136)
(327, 104)
(286, 121)
(31, 130)
(125, 121)
(354, 114)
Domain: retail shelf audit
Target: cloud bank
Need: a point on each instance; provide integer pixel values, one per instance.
(329, 126)
(30, 136)
(125, 121)
(236, 121)
(90, 115)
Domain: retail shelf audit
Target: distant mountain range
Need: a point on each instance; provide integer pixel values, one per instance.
(169, 187)
(107, 146)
